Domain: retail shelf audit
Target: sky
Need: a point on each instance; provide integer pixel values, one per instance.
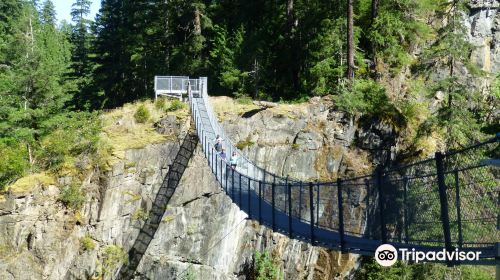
(63, 9)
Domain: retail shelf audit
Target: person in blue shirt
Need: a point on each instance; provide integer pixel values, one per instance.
(223, 154)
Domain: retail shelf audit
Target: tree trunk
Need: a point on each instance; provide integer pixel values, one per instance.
(197, 22)
(375, 5)
(289, 16)
(256, 78)
(350, 41)
(294, 69)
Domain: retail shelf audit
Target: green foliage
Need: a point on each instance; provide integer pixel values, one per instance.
(244, 143)
(460, 116)
(399, 26)
(161, 103)
(86, 96)
(69, 136)
(86, 243)
(401, 270)
(112, 257)
(223, 54)
(14, 163)
(142, 114)
(72, 196)
(176, 105)
(244, 99)
(139, 215)
(264, 267)
(370, 98)
(189, 274)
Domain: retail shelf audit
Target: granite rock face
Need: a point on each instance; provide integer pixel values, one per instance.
(315, 142)
(40, 238)
(483, 27)
(204, 234)
(38, 232)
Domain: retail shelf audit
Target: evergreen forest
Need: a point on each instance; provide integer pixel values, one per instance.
(55, 77)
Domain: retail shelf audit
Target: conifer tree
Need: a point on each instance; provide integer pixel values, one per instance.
(458, 115)
(85, 96)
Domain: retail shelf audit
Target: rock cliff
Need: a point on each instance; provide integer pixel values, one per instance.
(202, 232)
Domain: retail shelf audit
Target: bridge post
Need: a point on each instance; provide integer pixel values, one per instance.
(249, 200)
(405, 206)
(226, 175)
(260, 202)
(317, 204)
(341, 215)
(497, 260)
(220, 171)
(300, 200)
(239, 182)
(311, 200)
(290, 232)
(443, 201)
(206, 148)
(213, 160)
(286, 184)
(379, 181)
(459, 214)
(274, 206)
(232, 183)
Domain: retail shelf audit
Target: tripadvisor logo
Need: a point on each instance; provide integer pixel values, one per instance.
(387, 255)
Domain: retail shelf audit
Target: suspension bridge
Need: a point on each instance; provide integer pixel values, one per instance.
(450, 201)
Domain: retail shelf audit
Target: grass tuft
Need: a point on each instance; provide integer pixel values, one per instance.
(27, 183)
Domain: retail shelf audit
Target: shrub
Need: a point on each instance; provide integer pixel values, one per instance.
(264, 268)
(244, 143)
(112, 257)
(139, 215)
(66, 137)
(369, 98)
(176, 105)
(189, 274)
(86, 243)
(401, 270)
(142, 114)
(244, 99)
(72, 196)
(13, 164)
(161, 103)
(55, 147)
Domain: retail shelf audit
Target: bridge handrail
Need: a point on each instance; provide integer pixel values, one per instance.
(217, 128)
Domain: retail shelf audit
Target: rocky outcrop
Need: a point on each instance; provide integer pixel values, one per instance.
(312, 141)
(201, 232)
(39, 232)
(483, 26)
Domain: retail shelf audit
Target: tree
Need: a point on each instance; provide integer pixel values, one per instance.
(81, 65)
(350, 40)
(48, 15)
(34, 88)
(460, 115)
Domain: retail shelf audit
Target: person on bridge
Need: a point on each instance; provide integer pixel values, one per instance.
(223, 154)
(218, 147)
(234, 160)
(218, 144)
